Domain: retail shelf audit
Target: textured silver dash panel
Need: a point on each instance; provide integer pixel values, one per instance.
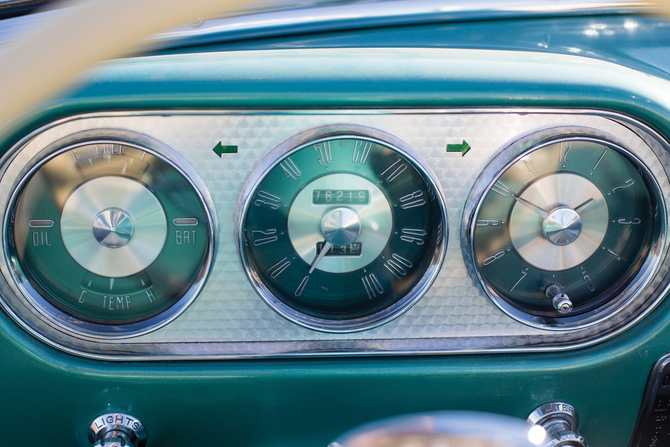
(229, 320)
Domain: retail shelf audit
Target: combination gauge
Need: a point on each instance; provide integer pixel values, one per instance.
(565, 232)
(342, 229)
(109, 237)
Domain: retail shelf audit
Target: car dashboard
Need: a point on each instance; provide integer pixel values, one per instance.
(274, 227)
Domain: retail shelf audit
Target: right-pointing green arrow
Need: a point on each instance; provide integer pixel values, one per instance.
(462, 148)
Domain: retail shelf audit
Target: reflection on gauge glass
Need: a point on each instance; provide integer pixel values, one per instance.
(564, 229)
(343, 232)
(109, 238)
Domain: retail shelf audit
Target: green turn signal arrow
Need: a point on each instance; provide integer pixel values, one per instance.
(220, 149)
(462, 148)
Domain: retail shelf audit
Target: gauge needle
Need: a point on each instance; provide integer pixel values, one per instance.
(535, 208)
(583, 206)
(320, 256)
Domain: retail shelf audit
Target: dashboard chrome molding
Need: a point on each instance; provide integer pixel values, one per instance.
(229, 320)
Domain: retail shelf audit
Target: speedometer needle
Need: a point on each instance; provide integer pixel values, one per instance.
(320, 256)
(533, 207)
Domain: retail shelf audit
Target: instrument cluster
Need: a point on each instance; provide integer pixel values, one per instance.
(287, 234)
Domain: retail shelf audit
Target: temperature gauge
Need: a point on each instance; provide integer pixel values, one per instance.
(109, 238)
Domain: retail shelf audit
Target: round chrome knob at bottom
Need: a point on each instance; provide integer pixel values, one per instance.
(560, 421)
(111, 428)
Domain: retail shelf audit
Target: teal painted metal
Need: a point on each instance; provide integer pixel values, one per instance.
(634, 40)
(309, 402)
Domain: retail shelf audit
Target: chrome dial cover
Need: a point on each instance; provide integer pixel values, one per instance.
(107, 236)
(566, 231)
(342, 229)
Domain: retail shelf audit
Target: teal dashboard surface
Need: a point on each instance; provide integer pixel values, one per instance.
(269, 235)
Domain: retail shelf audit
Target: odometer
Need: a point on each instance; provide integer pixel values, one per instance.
(342, 232)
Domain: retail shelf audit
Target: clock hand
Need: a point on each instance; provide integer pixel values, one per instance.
(533, 207)
(583, 206)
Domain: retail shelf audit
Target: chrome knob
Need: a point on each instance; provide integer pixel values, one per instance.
(117, 430)
(560, 421)
(560, 300)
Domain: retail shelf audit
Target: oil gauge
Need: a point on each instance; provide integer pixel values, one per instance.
(108, 237)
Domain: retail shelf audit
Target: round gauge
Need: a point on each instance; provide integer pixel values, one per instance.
(343, 231)
(108, 238)
(565, 232)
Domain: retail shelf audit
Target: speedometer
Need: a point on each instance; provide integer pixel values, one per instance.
(342, 229)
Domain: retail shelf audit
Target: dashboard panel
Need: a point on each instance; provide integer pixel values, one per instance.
(226, 318)
(227, 359)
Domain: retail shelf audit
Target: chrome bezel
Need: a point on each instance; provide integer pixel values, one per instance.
(508, 157)
(296, 143)
(46, 311)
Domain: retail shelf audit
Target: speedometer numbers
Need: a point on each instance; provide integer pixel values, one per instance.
(563, 230)
(342, 232)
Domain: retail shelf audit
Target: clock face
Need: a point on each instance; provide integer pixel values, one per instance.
(563, 229)
(343, 232)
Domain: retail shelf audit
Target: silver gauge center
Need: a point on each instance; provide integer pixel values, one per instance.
(306, 223)
(566, 236)
(113, 202)
(341, 226)
(562, 226)
(113, 227)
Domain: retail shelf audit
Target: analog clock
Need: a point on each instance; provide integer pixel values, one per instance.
(563, 229)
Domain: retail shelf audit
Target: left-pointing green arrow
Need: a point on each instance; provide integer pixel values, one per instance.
(462, 148)
(220, 149)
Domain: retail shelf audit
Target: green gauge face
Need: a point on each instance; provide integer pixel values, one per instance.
(109, 236)
(343, 233)
(564, 228)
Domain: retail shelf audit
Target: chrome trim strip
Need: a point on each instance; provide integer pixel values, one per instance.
(290, 17)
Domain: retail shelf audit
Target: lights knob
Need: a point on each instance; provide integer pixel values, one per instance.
(560, 421)
(117, 429)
